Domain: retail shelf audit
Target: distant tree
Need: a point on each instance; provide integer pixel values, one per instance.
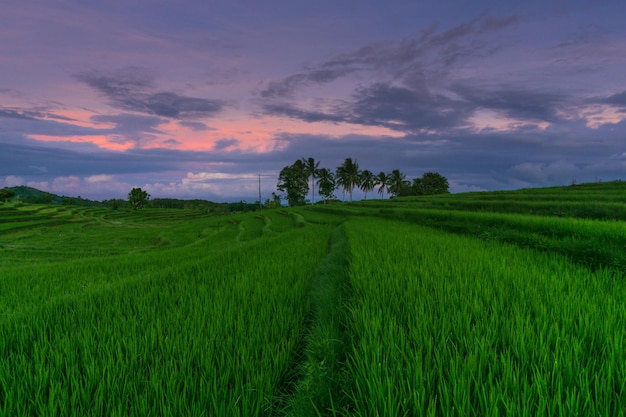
(326, 184)
(348, 175)
(6, 194)
(274, 202)
(430, 183)
(138, 198)
(367, 180)
(416, 187)
(293, 180)
(311, 167)
(396, 182)
(382, 181)
(406, 190)
(115, 203)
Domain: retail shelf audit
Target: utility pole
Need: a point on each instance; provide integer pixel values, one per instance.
(260, 204)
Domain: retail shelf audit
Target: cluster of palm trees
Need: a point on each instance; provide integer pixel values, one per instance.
(348, 176)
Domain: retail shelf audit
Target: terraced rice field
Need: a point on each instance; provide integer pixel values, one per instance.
(489, 304)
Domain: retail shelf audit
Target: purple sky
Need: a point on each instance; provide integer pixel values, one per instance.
(193, 99)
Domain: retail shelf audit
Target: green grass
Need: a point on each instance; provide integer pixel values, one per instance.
(601, 201)
(318, 389)
(593, 243)
(449, 326)
(469, 304)
(199, 329)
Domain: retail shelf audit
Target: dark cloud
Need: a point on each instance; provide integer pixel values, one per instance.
(58, 161)
(131, 123)
(287, 87)
(171, 142)
(414, 88)
(127, 128)
(132, 128)
(407, 110)
(382, 104)
(176, 106)
(514, 102)
(411, 109)
(34, 113)
(196, 126)
(618, 99)
(288, 110)
(386, 105)
(133, 89)
(438, 51)
(225, 143)
(30, 123)
(14, 114)
(19, 153)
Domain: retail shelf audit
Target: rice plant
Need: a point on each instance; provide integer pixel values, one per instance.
(195, 330)
(445, 325)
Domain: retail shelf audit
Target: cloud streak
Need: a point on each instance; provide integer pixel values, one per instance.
(617, 100)
(416, 85)
(133, 89)
(411, 61)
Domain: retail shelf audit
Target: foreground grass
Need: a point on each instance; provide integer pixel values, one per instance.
(198, 330)
(444, 325)
(318, 389)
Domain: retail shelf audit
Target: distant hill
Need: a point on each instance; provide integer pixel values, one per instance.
(24, 191)
(34, 196)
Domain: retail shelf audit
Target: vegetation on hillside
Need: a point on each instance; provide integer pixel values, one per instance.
(29, 195)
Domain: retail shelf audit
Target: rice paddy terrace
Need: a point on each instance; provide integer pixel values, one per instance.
(482, 304)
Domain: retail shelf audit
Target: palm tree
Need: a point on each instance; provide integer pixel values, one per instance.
(341, 180)
(348, 175)
(310, 167)
(397, 182)
(326, 183)
(382, 180)
(366, 181)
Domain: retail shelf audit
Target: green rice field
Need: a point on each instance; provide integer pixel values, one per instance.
(476, 304)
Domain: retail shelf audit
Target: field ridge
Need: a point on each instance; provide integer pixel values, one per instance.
(318, 390)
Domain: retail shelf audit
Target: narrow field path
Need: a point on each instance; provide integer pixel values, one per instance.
(318, 390)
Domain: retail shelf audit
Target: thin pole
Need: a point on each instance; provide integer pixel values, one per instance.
(260, 204)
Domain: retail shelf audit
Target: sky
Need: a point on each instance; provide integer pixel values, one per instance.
(197, 98)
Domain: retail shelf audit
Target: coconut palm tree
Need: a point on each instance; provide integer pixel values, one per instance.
(326, 183)
(341, 179)
(348, 175)
(382, 180)
(397, 182)
(310, 167)
(366, 181)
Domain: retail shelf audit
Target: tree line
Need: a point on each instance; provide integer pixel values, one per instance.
(138, 199)
(297, 179)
